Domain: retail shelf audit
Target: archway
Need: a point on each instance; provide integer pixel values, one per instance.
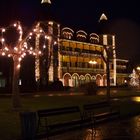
(67, 79)
(82, 79)
(87, 78)
(75, 80)
(93, 78)
(99, 80)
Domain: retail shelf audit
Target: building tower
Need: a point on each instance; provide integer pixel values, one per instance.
(108, 39)
(46, 66)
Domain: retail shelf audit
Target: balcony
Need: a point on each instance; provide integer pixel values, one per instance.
(82, 70)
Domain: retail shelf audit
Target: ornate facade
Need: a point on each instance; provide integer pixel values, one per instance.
(81, 60)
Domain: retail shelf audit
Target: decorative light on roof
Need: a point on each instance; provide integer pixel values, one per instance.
(103, 17)
(81, 31)
(46, 1)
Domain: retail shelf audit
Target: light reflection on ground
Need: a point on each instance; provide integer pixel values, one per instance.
(97, 135)
(124, 129)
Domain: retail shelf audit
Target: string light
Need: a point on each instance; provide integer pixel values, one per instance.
(9, 55)
(23, 46)
(3, 30)
(55, 43)
(2, 40)
(18, 66)
(3, 53)
(44, 46)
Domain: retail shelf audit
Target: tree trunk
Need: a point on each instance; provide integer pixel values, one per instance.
(15, 85)
(108, 78)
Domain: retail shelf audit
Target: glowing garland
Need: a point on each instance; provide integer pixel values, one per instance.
(22, 47)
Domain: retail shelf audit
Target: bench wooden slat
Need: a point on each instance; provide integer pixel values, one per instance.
(100, 111)
(57, 111)
(69, 119)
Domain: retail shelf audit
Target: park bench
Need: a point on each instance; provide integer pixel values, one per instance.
(101, 111)
(55, 121)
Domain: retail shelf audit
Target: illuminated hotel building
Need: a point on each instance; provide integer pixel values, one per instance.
(74, 57)
(81, 60)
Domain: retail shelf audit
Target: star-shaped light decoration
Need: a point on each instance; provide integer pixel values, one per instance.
(46, 1)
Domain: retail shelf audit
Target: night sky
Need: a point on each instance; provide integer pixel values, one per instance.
(123, 17)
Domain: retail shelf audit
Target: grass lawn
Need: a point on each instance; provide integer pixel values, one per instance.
(10, 121)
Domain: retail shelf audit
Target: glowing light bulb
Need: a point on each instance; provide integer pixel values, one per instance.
(39, 52)
(3, 53)
(9, 55)
(20, 59)
(15, 25)
(18, 66)
(46, 1)
(44, 46)
(3, 30)
(55, 43)
(2, 39)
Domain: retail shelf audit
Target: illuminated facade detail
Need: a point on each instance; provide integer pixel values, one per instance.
(94, 38)
(37, 59)
(81, 35)
(103, 17)
(67, 33)
(121, 74)
(114, 59)
(134, 81)
(73, 57)
(50, 59)
(81, 62)
(46, 1)
(105, 40)
(47, 67)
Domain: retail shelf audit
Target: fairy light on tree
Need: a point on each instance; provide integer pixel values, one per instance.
(16, 44)
(134, 79)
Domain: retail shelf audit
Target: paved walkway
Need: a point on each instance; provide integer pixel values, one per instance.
(126, 129)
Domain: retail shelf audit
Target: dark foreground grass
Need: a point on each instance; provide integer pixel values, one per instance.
(10, 120)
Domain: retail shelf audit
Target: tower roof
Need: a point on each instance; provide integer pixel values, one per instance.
(46, 1)
(103, 17)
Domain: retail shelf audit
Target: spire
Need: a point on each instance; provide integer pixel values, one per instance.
(103, 17)
(46, 1)
(103, 24)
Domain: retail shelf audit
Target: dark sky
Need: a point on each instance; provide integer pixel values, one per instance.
(123, 17)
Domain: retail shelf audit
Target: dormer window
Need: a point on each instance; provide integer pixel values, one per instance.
(94, 38)
(67, 33)
(81, 35)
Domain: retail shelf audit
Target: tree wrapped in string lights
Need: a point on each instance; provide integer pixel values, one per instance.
(16, 43)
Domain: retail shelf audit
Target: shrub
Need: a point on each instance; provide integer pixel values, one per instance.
(56, 85)
(90, 88)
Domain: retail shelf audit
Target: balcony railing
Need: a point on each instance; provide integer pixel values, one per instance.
(82, 70)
